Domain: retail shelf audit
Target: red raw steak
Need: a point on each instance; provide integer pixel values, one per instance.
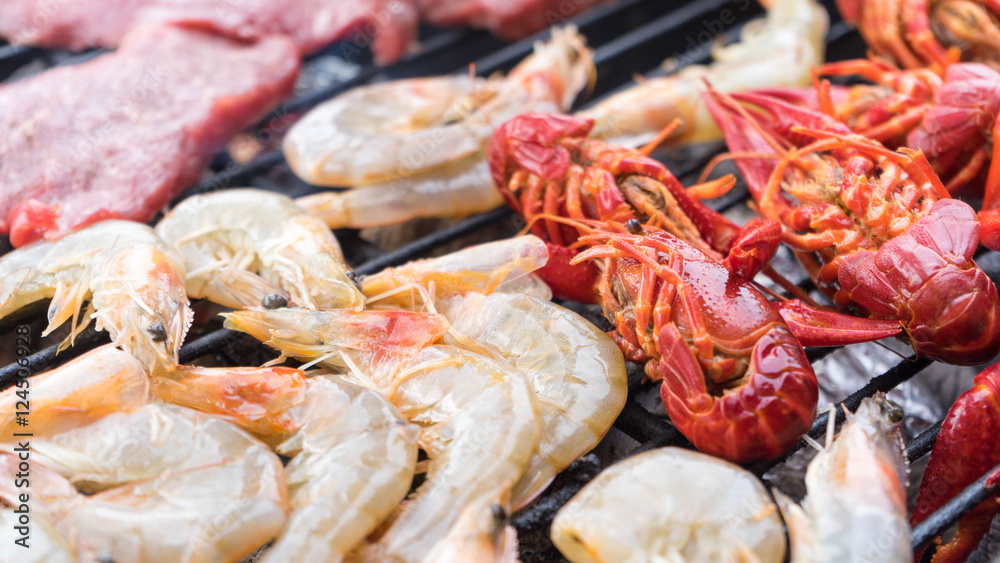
(77, 24)
(120, 135)
(507, 19)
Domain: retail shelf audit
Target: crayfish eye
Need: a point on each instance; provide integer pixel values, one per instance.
(633, 226)
(892, 410)
(274, 301)
(157, 332)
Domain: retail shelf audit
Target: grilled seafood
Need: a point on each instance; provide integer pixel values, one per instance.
(579, 379)
(482, 268)
(856, 506)
(875, 229)
(133, 280)
(960, 456)
(404, 127)
(423, 139)
(482, 534)
(98, 383)
(548, 170)
(480, 426)
(928, 33)
(735, 381)
(218, 512)
(242, 245)
(352, 459)
(46, 545)
(779, 50)
(667, 505)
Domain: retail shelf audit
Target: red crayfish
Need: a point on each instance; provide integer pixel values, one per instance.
(965, 449)
(928, 33)
(736, 382)
(547, 169)
(875, 228)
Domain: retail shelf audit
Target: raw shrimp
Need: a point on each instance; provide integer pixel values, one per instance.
(480, 269)
(352, 457)
(133, 280)
(671, 504)
(44, 543)
(242, 245)
(479, 416)
(100, 382)
(480, 426)
(780, 50)
(577, 372)
(856, 507)
(455, 189)
(353, 463)
(215, 513)
(394, 129)
(482, 534)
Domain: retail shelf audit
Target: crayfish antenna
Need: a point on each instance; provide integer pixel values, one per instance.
(661, 136)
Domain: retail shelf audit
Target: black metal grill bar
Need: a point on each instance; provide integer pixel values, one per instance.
(954, 509)
(922, 444)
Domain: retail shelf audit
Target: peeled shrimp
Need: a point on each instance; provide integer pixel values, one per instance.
(100, 382)
(214, 513)
(481, 269)
(394, 129)
(671, 504)
(352, 457)
(480, 426)
(856, 507)
(577, 372)
(242, 245)
(133, 280)
(416, 148)
(779, 50)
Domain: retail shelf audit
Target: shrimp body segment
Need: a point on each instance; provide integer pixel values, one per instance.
(671, 504)
(856, 507)
(396, 129)
(241, 245)
(577, 372)
(133, 280)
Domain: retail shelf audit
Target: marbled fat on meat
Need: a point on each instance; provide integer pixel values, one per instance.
(312, 24)
(120, 135)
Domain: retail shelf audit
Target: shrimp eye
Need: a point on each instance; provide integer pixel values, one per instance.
(157, 332)
(105, 558)
(633, 226)
(500, 516)
(274, 301)
(892, 410)
(354, 279)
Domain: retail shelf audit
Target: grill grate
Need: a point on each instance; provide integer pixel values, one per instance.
(630, 37)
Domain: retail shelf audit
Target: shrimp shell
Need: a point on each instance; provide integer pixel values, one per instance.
(671, 504)
(135, 283)
(98, 383)
(480, 425)
(577, 372)
(856, 506)
(779, 50)
(394, 129)
(241, 245)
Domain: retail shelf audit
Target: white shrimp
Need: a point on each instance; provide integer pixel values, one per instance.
(455, 189)
(43, 542)
(480, 426)
(779, 50)
(855, 509)
(671, 504)
(482, 268)
(218, 512)
(577, 372)
(133, 280)
(394, 129)
(242, 245)
(481, 534)
(96, 384)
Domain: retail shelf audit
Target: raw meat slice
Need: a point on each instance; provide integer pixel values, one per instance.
(312, 24)
(120, 135)
(507, 19)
